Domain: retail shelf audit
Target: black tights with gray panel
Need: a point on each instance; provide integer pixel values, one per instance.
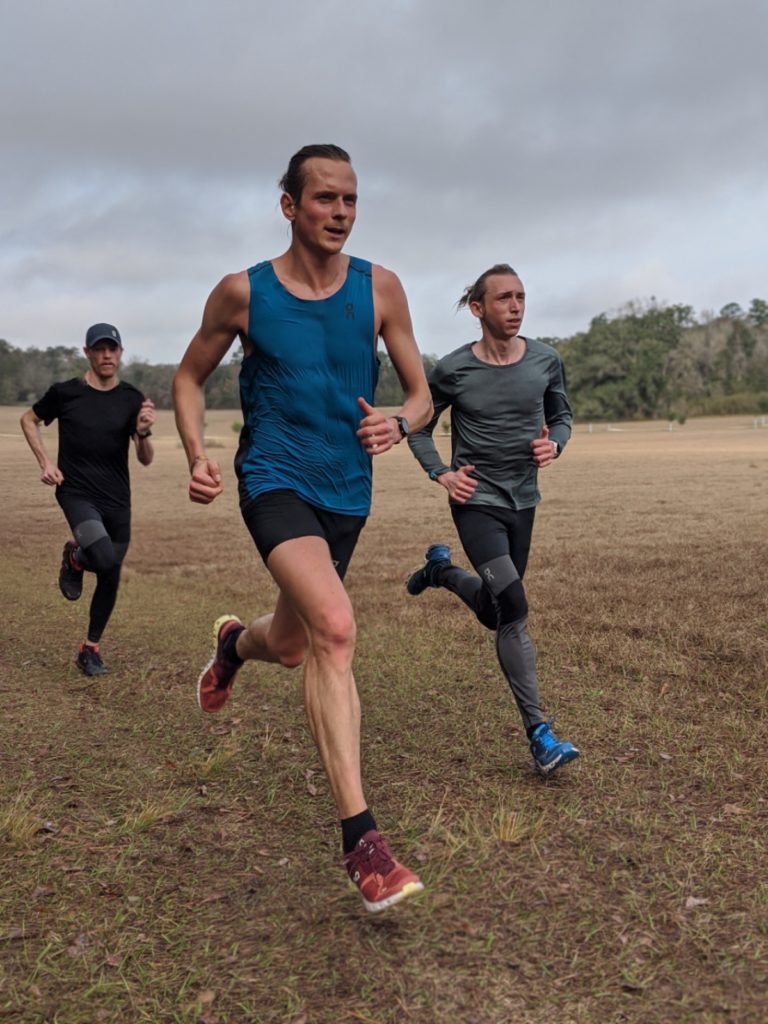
(102, 537)
(497, 542)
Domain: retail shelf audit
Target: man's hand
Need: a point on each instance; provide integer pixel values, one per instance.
(51, 474)
(205, 484)
(543, 449)
(146, 417)
(460, 485)
(377, 433)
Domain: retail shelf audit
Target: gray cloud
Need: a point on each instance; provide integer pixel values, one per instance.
(607, 150)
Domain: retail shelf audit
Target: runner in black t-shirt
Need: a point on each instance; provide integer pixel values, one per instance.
(98, 415)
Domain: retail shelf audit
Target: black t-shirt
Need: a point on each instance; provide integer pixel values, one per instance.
(95, 429)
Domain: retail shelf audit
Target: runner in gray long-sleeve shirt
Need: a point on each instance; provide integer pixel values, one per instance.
(509, 418)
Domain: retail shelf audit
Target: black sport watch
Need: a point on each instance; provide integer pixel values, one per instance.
(402, 422)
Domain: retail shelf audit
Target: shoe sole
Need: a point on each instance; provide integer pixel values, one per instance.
(69, 597)
(409, 889)
(559, 762)
(415, 586)
(222, 619)
(416, 580)
(91, 675)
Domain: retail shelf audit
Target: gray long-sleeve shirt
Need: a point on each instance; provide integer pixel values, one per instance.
(496, 411)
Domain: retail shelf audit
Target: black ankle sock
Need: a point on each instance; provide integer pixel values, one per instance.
(352, 829)
(229, 647)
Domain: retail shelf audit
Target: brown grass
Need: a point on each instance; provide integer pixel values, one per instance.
(158, 865)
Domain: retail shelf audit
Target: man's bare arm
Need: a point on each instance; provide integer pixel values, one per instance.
(30, 424)
(396, 330)
(145, 451)
(224, 317)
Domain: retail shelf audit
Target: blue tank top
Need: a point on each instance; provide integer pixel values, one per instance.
(311, 360)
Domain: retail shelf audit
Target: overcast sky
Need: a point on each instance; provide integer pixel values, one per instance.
(608, 150)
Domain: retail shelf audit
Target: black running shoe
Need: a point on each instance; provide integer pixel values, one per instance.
(70, 580)
(437, 557)
(89, 661)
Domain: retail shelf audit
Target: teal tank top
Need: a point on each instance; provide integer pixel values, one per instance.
(311, 360)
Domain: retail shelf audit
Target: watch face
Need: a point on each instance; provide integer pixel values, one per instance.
(402, 422)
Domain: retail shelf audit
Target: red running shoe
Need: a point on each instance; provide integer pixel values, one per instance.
(215, 683)
(382, 881)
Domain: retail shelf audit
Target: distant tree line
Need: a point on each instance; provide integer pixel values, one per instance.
(651, 361)
(26, 374)
(646, 361)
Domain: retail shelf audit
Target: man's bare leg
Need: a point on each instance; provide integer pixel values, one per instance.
(313, 624)
(305, 574)
(303, 570)
(278, 637)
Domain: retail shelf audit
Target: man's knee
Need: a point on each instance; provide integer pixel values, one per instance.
(103, 555)
(334, 631)
(512, 604)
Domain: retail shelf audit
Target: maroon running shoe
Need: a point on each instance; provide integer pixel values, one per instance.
(215, 683)
(381, 879)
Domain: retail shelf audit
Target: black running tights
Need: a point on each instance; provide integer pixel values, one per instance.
(102, 537)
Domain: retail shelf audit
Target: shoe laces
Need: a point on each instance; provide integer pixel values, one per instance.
(546, 738)
(377, 855)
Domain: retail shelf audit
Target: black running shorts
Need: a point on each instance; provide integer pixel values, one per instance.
(278, 516)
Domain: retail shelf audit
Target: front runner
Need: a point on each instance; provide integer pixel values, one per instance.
(509, 418)
(98, 415)
(308, 321)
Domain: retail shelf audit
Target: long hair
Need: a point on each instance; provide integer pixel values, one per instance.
(475, 292)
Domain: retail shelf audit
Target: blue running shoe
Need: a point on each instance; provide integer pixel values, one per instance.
(437, 557)
(548, 752)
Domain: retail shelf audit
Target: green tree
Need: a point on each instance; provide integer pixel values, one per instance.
(389, 390)
(732, 311)
(620, 367)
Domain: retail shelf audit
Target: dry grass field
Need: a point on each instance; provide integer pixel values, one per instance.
(158, 865)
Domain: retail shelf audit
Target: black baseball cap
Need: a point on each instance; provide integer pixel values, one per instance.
(102, 332)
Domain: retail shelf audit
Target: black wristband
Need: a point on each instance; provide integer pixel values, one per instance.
(142, 436)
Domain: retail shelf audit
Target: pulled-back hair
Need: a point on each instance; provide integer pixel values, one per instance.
(292, 181)
(475, 292)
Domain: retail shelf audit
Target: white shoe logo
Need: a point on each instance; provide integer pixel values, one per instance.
(488, 574)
